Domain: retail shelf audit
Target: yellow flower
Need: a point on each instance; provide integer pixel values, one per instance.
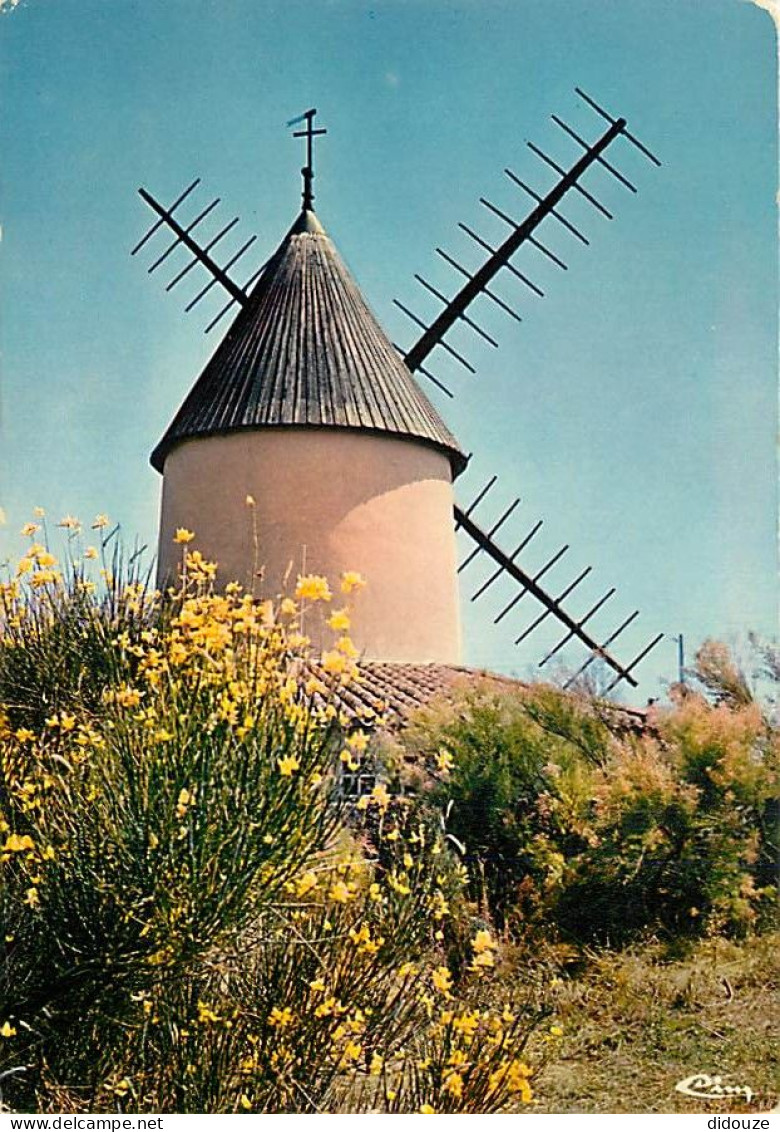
(556, 1031)
(67, 722)
(352, 1051)
(24, 566)
(454, 1085)
(351, 580)
(288, 765)
(281, 1017)
(358, 741)
(206, 1014)
(305, 885)
(31, 897)
(339, 620)
(17, 843)
(444, 760)
(70, 523)
(482, 961)
(45, 559)
(30, 528)
(244, 1100)
(334, 662)
(344, 644)
(380, 795)
(7, 1030)
(339, 892)
(346, 757)
(314, 587)
(482, 942)
(24, 734)
(398, 884)
(39, 512)
(439, 905)
(466, 1023)
(427, 1109)
(184, 800)
(90, 552)
(288, 608)
(442, 981)
(128, 697)
(363, 941)
(183, 535)
(314, 687)
(483, 945)
(317, 985)
(99, 522)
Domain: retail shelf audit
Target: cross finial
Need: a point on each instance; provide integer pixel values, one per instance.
(308, 170)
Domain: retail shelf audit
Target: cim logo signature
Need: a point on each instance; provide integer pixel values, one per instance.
(712, 1088)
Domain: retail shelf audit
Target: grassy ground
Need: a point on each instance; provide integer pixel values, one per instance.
(636, 1024)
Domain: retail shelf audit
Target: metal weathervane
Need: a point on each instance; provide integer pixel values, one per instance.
(507, 564)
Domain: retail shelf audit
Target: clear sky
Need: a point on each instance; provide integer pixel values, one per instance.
(635, 407)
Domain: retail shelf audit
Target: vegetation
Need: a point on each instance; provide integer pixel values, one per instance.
(637, 1023)
(535, 900)
(188, 922)
(581, 830)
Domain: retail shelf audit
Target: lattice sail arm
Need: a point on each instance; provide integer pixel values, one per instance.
(477, 282)
(183, 237)
(201, 252)
(552, 605)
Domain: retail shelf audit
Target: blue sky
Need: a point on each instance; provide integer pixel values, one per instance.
(635, 407)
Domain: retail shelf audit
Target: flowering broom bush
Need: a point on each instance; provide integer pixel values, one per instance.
(187, 921)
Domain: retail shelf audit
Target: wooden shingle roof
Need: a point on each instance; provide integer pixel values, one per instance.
(305, 351)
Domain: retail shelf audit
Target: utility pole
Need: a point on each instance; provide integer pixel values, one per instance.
(680, 658)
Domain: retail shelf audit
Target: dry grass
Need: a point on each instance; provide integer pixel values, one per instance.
(635, 1024)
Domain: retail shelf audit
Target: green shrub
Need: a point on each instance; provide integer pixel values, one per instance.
(512, 773)
(573, 829)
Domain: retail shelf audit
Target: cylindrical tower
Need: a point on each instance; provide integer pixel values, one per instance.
(307, 409)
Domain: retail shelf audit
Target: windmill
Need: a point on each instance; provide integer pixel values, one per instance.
(306, 386)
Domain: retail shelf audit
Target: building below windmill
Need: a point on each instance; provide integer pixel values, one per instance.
(307, 412)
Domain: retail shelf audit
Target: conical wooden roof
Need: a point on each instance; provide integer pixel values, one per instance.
(305, 351)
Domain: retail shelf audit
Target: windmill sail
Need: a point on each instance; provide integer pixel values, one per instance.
(201, 253)
(509, 565)
(478, 282)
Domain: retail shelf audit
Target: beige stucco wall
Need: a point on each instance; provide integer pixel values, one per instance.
(326, 501)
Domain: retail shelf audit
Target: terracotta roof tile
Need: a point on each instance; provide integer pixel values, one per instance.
(396, 691)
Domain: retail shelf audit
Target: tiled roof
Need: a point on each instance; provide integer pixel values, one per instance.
(306, 351)
(395, 691)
